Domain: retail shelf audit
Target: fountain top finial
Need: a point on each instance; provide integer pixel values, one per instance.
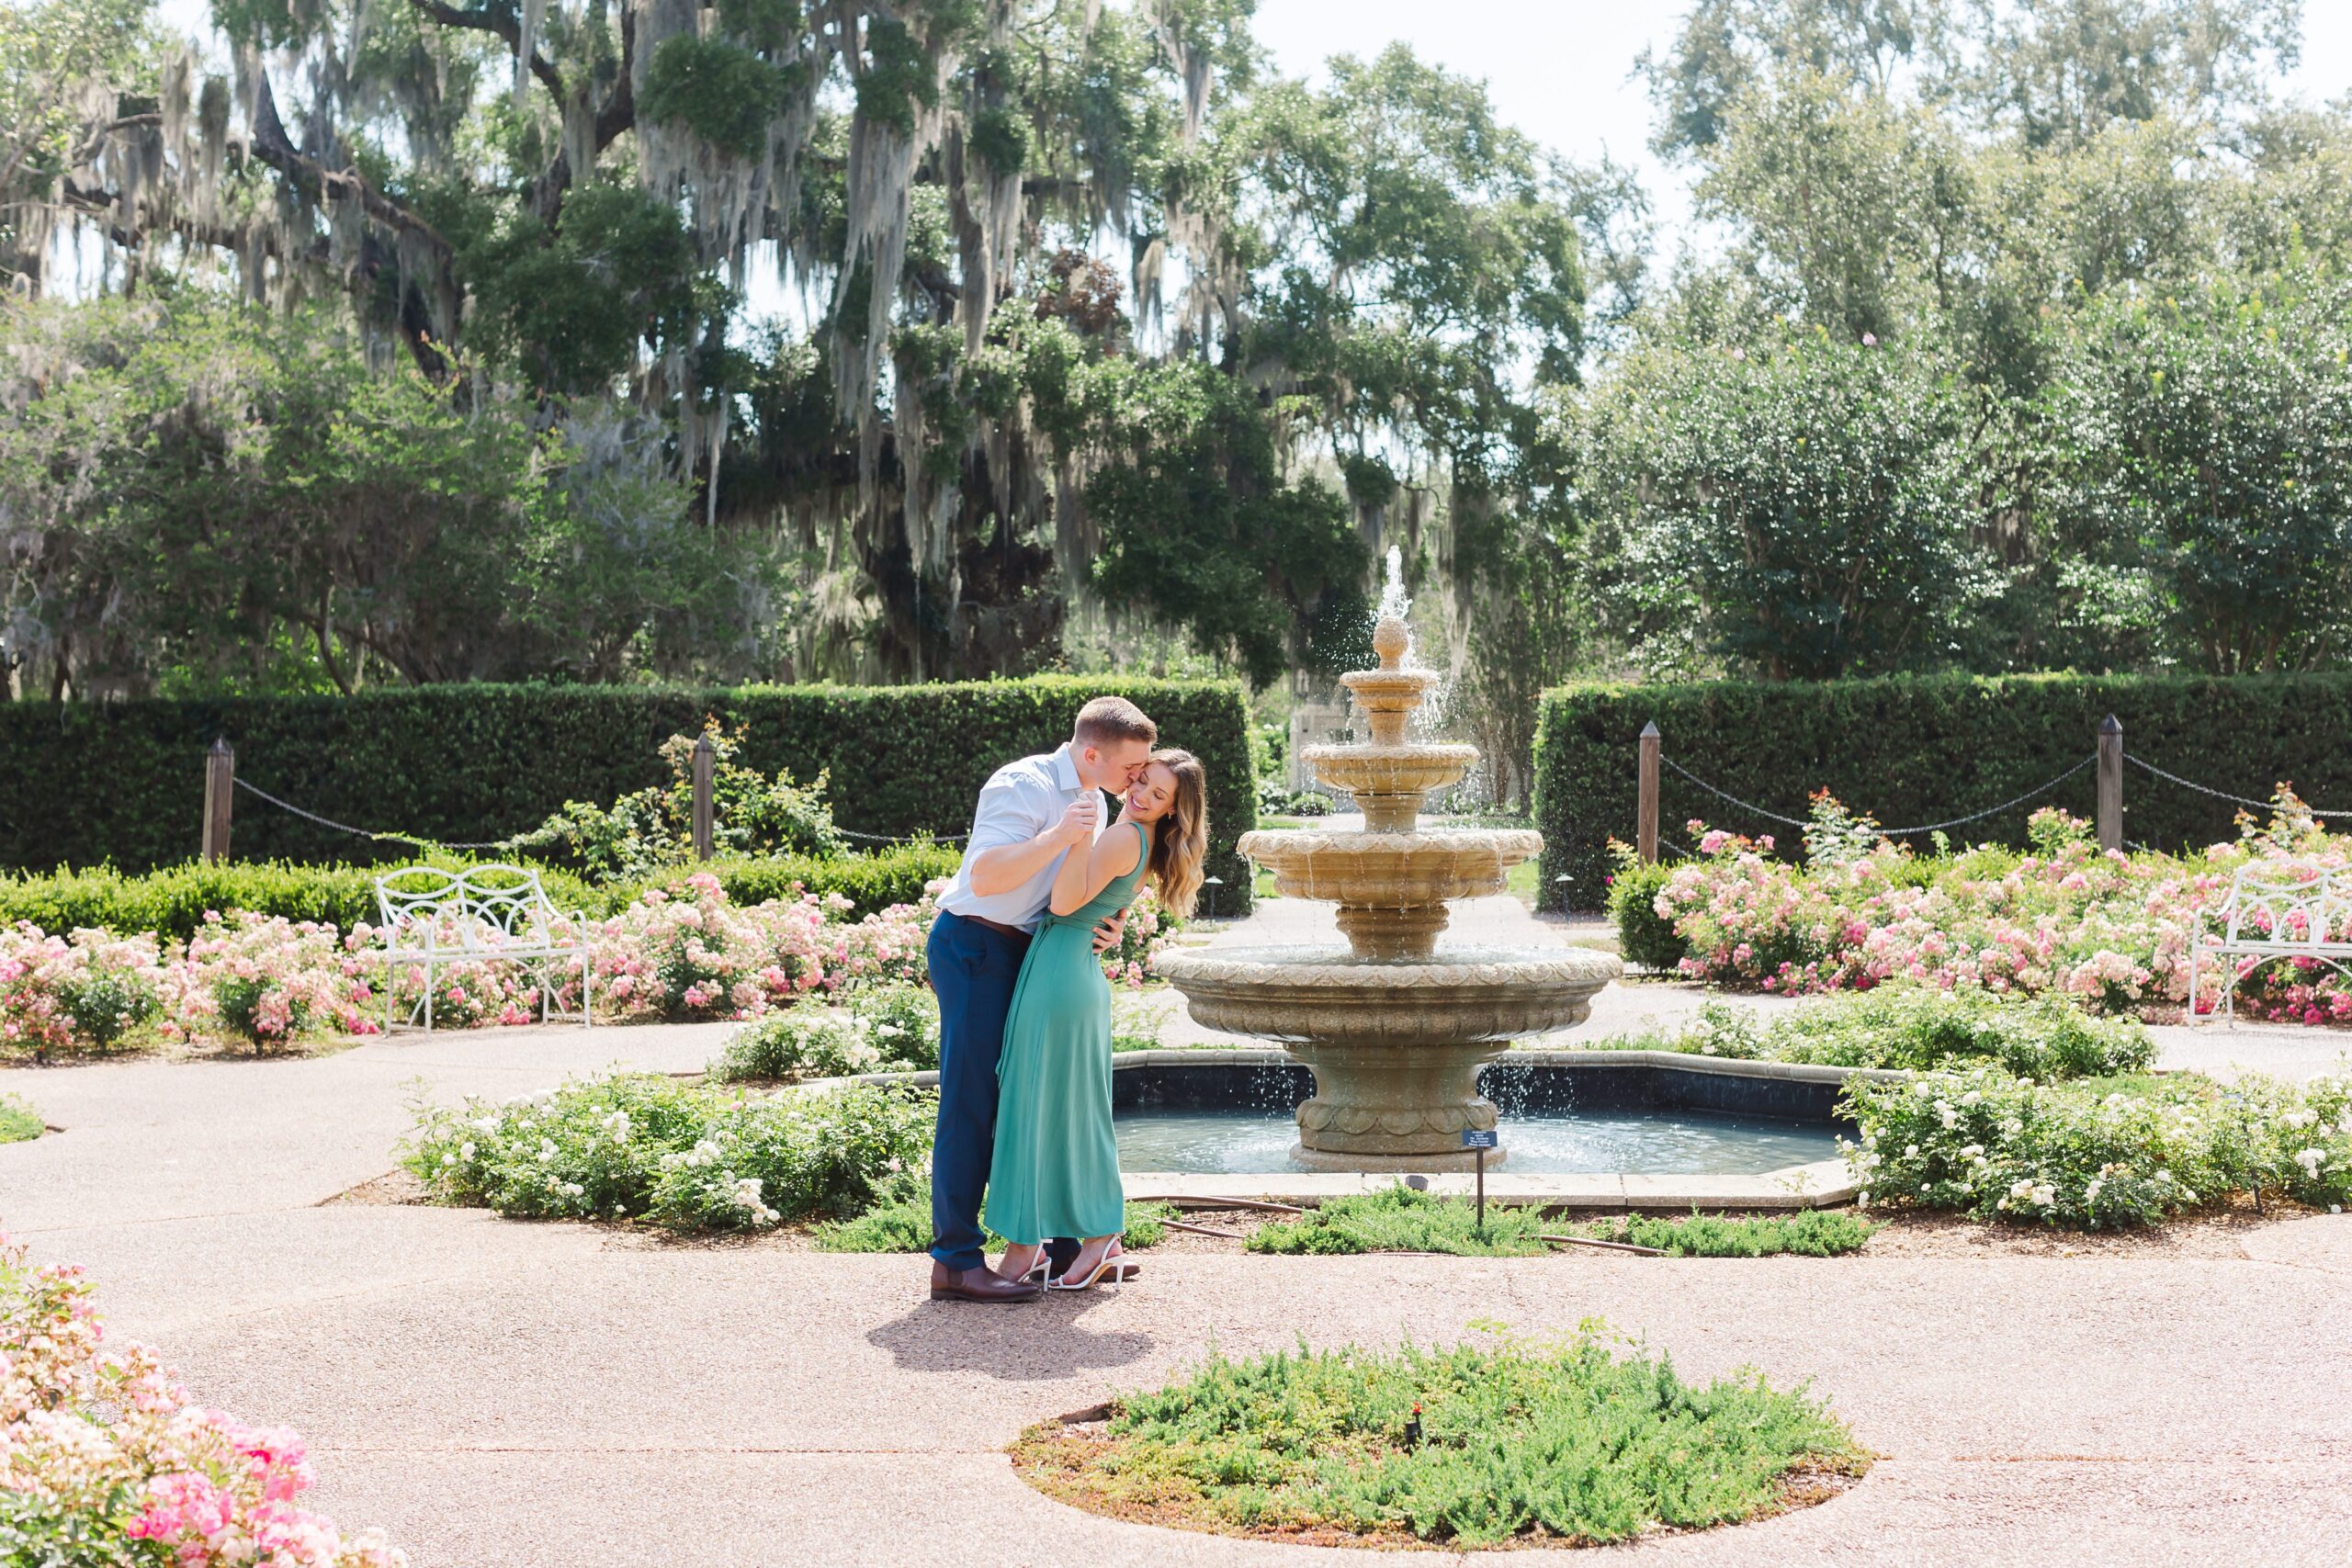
(1390, 640)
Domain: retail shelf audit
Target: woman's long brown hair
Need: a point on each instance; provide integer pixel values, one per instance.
(1180, 840)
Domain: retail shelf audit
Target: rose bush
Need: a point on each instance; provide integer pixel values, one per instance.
(685, 1156)
(2094, 1153)
(679, 951)
(103, 1459)
(2109, 929)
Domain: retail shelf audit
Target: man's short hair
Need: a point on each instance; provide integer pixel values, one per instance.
(1108, 720)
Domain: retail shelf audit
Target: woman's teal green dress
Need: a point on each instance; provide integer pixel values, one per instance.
(1056, 1166)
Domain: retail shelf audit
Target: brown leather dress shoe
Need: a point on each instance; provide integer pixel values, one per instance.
(982, 1284)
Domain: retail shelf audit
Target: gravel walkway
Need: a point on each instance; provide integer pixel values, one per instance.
(506, 1394)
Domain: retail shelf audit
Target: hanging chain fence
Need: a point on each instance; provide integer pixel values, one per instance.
(2013, 801)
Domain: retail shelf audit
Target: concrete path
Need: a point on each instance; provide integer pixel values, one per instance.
(502, 1395)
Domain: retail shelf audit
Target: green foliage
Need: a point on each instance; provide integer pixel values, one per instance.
(1810, 1233)
(2097, 1153)
(2203, 465)
(723, 92)
(1922, 1027)
(1793, 506)
(1398, 1219)
(19, 1123)
(1924, 749)
(467, 764)
(883, 1029)
(1521, 1440)
(685, 1157)
(1644, 936)
(651, 830)
(171, 902)
(903, 1224)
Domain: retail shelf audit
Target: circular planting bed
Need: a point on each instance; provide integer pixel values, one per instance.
(1498, 1442)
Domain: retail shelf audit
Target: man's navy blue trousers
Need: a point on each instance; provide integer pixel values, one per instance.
(973, 968)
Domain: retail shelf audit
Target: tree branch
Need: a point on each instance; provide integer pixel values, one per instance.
(506, 25)
(273, 147)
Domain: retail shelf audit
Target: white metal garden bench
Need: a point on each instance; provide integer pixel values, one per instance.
(2267, 915)
(483, 914)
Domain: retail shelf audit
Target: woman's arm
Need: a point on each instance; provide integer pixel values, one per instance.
(1082, 876)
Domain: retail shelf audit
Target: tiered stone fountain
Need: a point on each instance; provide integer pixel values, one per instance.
(1394, 1029)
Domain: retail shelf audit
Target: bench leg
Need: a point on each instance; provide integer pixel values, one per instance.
(428, 996)
(2191, 1018)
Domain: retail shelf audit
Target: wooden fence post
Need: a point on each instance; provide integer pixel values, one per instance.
(706, 760)
(1646, 819)
(219, 784)
(2110, 784)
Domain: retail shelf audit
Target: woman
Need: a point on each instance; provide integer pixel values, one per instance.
(1056, 1171)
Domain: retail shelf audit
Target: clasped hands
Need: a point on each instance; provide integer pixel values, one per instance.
(1078, 826)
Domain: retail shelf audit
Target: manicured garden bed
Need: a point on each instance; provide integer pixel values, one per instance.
(1500, 1441)
(2111, 929)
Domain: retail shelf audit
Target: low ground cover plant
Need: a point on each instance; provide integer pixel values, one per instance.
(2111, 929)
(1909, 1026)
(902, 1223)
(2097, 1153)
(106, 1459)
(1400, 1219)
(19, 1123)
(1810, 1233)
(684, 1156)
(1578, 1441)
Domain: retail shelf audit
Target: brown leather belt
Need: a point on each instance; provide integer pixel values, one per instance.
(998, 926)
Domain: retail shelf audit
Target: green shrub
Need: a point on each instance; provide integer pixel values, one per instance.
(1644, 936)
(1812, 1233)
(172, 901)
(1916, 1028)
(1926, 749)
(1519, 1440)
(2097, 1153)
(1399, 1219)
(902, 1223)
(883, 1029)
(472, 763)
(684, 1156)
(19, 1123)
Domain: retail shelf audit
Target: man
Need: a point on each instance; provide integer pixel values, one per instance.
(1030, 813)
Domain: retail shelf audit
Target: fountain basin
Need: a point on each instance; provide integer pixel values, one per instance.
(1388, 784)
(1396, 1047)
(1407, 868)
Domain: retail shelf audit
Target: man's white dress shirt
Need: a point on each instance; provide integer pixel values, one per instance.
(1021, 800)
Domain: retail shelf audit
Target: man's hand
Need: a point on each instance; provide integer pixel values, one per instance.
(1106, 935)
(1077, 825)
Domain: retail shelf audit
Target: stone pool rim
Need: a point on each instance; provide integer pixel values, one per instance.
(1819, 1184)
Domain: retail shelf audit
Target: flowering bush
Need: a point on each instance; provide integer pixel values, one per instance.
(888, 1028)
(1913, 1026)
(1149, 926)
(686, 951)
(2109, 929)
(687, 1158)
(103, 1459)
(89, 989)
(266, 980)
(2097, 1153)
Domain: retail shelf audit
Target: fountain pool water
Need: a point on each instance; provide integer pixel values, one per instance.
(1242, 1141)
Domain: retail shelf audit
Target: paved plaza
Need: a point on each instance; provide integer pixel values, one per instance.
(498, 1394)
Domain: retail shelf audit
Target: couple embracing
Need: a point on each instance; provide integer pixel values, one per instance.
(1024, 1010)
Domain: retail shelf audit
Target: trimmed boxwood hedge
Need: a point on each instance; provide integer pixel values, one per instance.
(173, 900)
(1926, 748)
(86, 783)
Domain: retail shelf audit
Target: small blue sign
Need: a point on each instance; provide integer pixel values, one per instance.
(1478, 1138)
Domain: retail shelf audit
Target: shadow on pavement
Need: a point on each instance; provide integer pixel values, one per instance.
(1029, 1342)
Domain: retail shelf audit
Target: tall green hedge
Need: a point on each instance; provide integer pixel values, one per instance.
(86, 783)
(1926, 748)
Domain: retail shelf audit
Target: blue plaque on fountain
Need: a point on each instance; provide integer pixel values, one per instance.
(1478, 1138)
